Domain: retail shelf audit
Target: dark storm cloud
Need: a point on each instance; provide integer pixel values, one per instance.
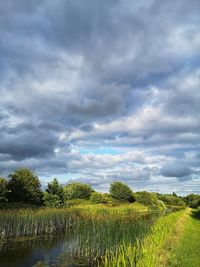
(81, 74)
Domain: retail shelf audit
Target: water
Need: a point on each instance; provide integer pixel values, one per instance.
(87, 240)
(27, 252)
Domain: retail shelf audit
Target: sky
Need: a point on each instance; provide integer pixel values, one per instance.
(101, 91)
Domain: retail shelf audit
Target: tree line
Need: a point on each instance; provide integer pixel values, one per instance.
(23, 186)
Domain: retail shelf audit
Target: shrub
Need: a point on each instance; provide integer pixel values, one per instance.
(107, 198)
(3, 189)
(192, 200)
(51, 200)
(74, 202)
(172, 200)
(147, 198)
(121, 191)
(77, 190)
(97, 198)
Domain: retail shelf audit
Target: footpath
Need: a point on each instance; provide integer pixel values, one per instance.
(182, 248)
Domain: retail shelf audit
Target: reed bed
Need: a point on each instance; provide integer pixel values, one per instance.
(93, 238)
(35, 222)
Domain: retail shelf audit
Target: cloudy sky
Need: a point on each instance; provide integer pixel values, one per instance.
(97, 91)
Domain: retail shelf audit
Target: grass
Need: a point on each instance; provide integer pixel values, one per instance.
(187, 252)
(145, 252)
(100, 210)
(151, 254)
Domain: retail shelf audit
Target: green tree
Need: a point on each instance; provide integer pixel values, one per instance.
(24, 186)
(54, 195)
(55, 188)
(192, 200)
(171, 199)
(121, 191)
(3, 189)
(77, 190)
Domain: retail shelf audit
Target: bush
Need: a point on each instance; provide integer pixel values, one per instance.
(107, 198)
(97, 198)
(147, 198)
(121, 191)
(74, 202)
(192, 200)
(51, 200)
(77, 190)
(172, 200)
(3, 189)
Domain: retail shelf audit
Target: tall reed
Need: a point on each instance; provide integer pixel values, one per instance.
(32, 223)
(94, 236)
(27, 222)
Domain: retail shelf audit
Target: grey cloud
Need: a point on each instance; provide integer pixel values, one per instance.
(178, 170)
(43, 166)
(112, 105)
(22, 143)
(102, 33)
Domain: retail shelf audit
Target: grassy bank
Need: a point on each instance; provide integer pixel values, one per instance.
(187, 252)
(146, 252)
(172, 242)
